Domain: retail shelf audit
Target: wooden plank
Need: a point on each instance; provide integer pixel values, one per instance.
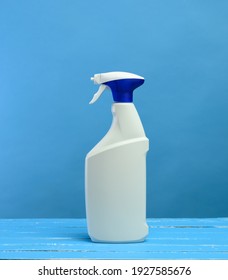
(166, 255)
(67, 238)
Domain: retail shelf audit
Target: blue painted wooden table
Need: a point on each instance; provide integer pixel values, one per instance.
(68, 239)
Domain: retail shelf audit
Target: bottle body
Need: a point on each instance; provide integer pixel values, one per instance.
(116, 180)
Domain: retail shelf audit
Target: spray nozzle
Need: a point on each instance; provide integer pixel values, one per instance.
(122, 85)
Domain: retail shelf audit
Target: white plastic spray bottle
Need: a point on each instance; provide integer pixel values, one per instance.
(116, 167)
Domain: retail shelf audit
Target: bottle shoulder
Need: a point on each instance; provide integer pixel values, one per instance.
(126, 128)
(137, 145)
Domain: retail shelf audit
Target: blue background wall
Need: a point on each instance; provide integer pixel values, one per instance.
(49, 49)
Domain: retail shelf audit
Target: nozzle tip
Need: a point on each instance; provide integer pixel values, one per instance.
(92, 78)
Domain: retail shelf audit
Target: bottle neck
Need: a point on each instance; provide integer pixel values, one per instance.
(126, 120)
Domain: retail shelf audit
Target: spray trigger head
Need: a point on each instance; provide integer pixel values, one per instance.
(122, 85)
